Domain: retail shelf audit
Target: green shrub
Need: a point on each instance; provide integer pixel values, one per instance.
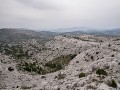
(101, 72)
(81, 75)
(112, 83)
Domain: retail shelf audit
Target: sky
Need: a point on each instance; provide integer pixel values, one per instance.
(51, 14)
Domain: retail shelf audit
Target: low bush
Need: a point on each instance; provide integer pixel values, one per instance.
(112, 83)
(32, 67)
(10, 68)
(81, 75)
(101, 72)
(112, 55)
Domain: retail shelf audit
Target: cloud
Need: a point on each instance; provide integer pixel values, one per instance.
(39, 4)
(59, 13)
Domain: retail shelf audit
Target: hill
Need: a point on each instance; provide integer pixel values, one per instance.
(17, 35)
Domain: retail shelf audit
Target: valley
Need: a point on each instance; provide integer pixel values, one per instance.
(59, 61)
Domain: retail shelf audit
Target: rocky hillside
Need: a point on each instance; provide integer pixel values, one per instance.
(85, 62)
(19, 35)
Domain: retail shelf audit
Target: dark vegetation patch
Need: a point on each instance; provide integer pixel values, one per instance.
(59, 62)
(16, 51)
(90, 39)
(31, 67)
(112, 55)
(112, 83)
(119, 63)
(101, 72)
(81, 75)
(10, 68)
(25, 87)
(52, 66)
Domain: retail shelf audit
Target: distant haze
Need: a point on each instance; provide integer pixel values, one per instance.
(51, 14)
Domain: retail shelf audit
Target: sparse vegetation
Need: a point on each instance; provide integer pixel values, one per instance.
(16, 51)
(93, 68)
(101, 72)
(52, 66)
(59, 62)
(31, 67)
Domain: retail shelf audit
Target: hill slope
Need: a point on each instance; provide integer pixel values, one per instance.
(18, 35)
(86, 62)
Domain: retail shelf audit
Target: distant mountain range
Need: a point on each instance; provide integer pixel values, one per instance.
(85, 30)
(19, 34)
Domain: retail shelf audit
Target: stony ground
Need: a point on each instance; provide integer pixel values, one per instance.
(96, 65)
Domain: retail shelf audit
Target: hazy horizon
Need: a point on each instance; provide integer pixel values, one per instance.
(55, 14)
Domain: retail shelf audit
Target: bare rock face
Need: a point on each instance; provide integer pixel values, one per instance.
(95, 66)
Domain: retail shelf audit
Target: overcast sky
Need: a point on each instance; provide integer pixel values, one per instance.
(42, 14)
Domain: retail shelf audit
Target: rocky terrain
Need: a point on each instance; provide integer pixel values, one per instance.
(82, 62)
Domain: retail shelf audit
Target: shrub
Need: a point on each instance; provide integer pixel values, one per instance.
(77, 61)
(31, 67)
(92, 57)
(119, 63)
(112, 55)
(101, 72)
(97, 52)
(81, 75)
(10, 69)
(25, 87)
(61, 76)
(112, 83)
(43, 77)
(109, 45)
